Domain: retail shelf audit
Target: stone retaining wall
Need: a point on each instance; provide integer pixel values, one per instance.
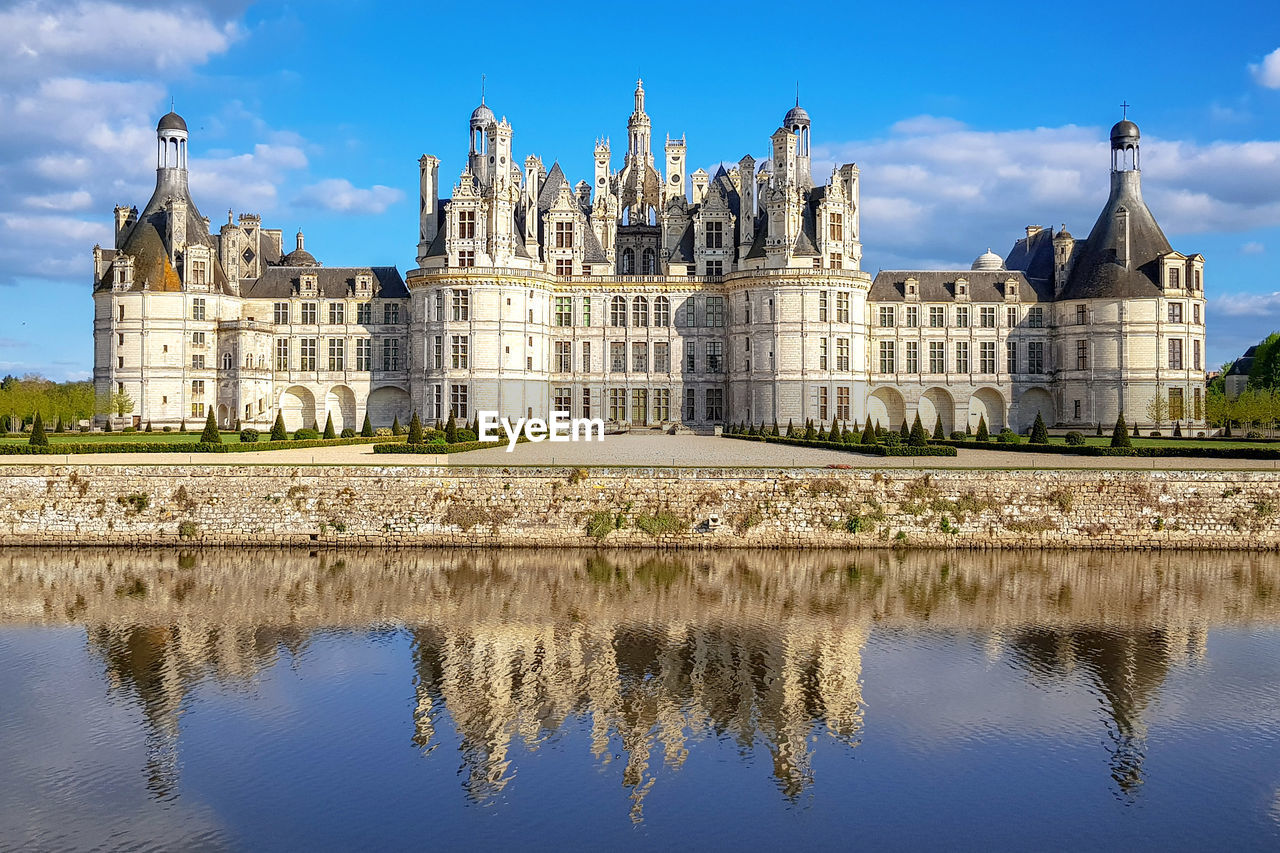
(664, 507)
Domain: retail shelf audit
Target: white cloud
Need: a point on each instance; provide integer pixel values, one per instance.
(1246, 304)
(1253, 247)
(340, 196)
(1267, 72)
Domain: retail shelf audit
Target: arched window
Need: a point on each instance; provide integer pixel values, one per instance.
(628, 261)
(226, 361)
(662, 312)
(649, 262)
(617, 311)
(640, 312)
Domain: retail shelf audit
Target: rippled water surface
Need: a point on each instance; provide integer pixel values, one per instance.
(426, 699)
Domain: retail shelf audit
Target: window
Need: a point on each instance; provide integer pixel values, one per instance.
(564, 266)
(661, 404)
(962, 316)
(640, 357)
(912, 318)
(281, 313)
(987, 357)
(715, 404)
(197, 388)
(617, 404)
(1198, 411)
(662, 312)
(661, 357)
(842, 353)
(1195, 354)
(1035, 317)
(836, 226)
(564, 357)
(822, 353)
(563, 400)
(1077, 409)
(618, 357)
(391, 311)
(937, 357)
(586, 402)
(337, 313)
(437, 352)
(715, 235)
(197, 362)
(337, 354)
(197, 410)
(1011, 357)
(911, 356)
(628, 261)
(648, 262)
(461, 305)
(690, 312)
(390, 354)
(467, 224)
(307, 354)
(1082, 355)
(564, 310)
(1195, 313)
(121, 312)
(715, 356)
(435, 404)
(282, 354)
(440, 306)
(689, 357)
(617, 312)
(639, 405)
(1175, 353)
(459, 352)
(586, 356)
(886, 317)
(458, 401)
(1196, 275)
(1175, 277)
(1081, 315)
(886, 357)
(837, 261)
(715, 311)
(197, 310)
(308, 313)
(715, 267)
(1012, 316)
(842, 403)
(842, 307)
(197, 339)
(822, 404)
(1175, 312)
(640, 312)
(564, 235)
(1035, 357)
(962, 356)
(364, 313)
(363, 361)
(466, 258)
(1176, 409)
(586, 310)
(987, 317)
(822, 306)
(937, 317)
(689, 405)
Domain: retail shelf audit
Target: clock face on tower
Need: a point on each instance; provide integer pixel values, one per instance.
(675, 179)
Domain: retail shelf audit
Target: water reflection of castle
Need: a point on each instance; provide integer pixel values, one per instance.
(656, 653)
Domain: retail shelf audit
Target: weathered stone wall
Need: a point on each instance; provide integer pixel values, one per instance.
(665, 507)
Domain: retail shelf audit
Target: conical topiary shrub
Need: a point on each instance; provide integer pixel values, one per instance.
(367, 429)
(1120, 435)
(869, 434)
(918, 437)
(982, 434)
(775, 430)
(38, 438)
(210, 434)
(450, 428)
(328, 427)
(1099, 432)
(396, 429)
(791, 429)
(809, 432)
(1136, 433)
(1039, 432)
(938, 433)
(415, 431)
(278, 432)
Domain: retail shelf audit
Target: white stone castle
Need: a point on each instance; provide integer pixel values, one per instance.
(648, 298)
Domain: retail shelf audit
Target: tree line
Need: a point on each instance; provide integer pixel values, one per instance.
(22, 397)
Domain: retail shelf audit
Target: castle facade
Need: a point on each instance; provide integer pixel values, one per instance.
(649, 298)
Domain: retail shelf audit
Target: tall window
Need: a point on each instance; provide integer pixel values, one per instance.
(987, 317)
(364, 313)
(822, 353)
(440, 306)
(822, 306)
(564, 266)
(458, 401)
(1176, 409)
(1082, 314)
(459, 352)
(640, 357)
(1195, 354)
(363, 361)
(640, 312)
(1175, 312)
(842, 307)
(661, 357)
(197, 309)
(618, 357)
(617, 311)
(337, 313)
(648, 262)
(962, 316)
(962, 356)
(628, 261)
(842, 353)
(662, 312)
(466, 258)
(308, 313)
(586, 310)
(337, 354)
(282, 354)
(912, 319)
(281, 310)
(715, 404)
(691, 312)
(690, 356)
(197, 362)
(1011, 357)
(715, 267)
(1175, 277)
(586, 357)
(617, 404)
(1035, 357)
(1035, 317)
(937, 317)
(461, 305)
(842, 403)
(1012, 316)
(689, 405)
(887, 360)
(715, 235)
(564, 235)
(1082, 355)
(564, 357)
(1175, 353)
(390, 354)
(911, 356)
(437, 352)
(937, 357)
(564, 310)
(886, 317)
(987, 357)
(715, 311)
(586, 402)
(563, 400)
(307, 354)
(1195, 313)
(836, 221)
(467, 224)
(715, 356)
(661, 404)
(199, 272)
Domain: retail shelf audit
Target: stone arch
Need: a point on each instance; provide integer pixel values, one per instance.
(1033, 401)
(224, 416)
(987, 403)
(298, 405)
(340, 403)
(886, 407)
(388, 403)
(935, 403)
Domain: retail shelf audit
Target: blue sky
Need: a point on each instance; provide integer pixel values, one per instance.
(969, 121)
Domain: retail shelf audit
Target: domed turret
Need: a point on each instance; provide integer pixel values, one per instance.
(483, 117)
(299, 257)
(172, 121)
(988, 261)
(1124, 131)
(797, 116)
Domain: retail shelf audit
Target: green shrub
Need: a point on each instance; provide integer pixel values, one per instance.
(367, 429)
(1039, 432)
(1075, 439)
(465, 435)
(1253, 433)
(982, 433)
(128, 429)
(957, 435)
(450, 429)
(328, 427)
(938, 434)
(210, 434)
(164, 429)
(382, 432)
(660, 523)
(396, 429)
(278, 432)
(38, 438)
(186, 530)
(918, 437)
(869, 434)
(306, 434)
(347, 433)
(1008, 436)
(248, 435)
(1120, 435)
(415, 430)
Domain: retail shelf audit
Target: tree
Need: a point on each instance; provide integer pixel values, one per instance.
(367, 429)
(1039, 432)
(60, 426)
(938, 433)
(983, 434)
(328, 427)
(869, 434)
(791, 429)
(396, 429)
(1265, 371)
(210, 434)
(837, 431)
(121, 402)
(822, 432)
(809, 432)
(415, 431)
(450, 428)
(38, 438)
(1120, 435)
(773, 432)
(1158, 409)
(918, 437)
(278, 432)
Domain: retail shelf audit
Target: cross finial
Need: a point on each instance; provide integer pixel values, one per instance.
(171, 103)
(482, 89)
(1125, 106)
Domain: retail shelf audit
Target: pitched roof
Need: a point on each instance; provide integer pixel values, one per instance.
(940, 285)
(331, 282)
(1096, 272)
(1033, 255)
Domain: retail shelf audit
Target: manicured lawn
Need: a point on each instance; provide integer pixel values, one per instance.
(143, 437)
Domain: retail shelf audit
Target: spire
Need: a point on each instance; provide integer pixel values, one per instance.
(639, 95)
(482, 76)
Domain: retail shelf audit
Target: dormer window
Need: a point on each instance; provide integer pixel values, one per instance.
(307, 285)
(1175, 278)
(962, 287)
(364, 285)
(1011, 289)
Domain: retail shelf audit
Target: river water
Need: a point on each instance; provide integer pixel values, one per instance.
(269, 699)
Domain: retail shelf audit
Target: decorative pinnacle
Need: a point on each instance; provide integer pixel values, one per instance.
(1125, 107)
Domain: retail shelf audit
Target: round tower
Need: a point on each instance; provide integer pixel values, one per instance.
(171, 153)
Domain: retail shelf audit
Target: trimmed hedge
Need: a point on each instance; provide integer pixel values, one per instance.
(1146, 452)
(456, 447)
(73, 449)
(865, 449)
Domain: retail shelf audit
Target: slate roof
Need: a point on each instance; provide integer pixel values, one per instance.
(1033, 255)
(682, 253)
(331, 282)
(1242, 365)
(940, 285)
(1095, 273)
